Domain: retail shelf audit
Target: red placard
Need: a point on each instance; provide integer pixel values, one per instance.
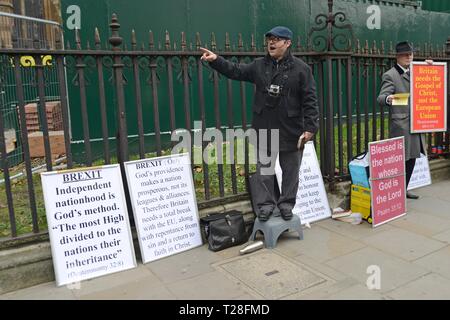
(387, 176)
(428, 97)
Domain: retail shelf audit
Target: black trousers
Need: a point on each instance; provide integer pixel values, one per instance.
(409, 167)
(265, 193)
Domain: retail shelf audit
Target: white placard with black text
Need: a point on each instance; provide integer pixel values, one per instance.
(164, 204)
(312, 202)
(88, 223)
(421, 175)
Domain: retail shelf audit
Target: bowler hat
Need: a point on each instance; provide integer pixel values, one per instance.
(404, 47)
(280, 32)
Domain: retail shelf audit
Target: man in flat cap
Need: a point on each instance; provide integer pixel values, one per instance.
(285, 100)
(396, 80)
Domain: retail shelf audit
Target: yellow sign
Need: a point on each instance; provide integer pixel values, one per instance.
(400, 99)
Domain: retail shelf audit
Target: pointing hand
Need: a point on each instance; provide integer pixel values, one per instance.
(208, 55)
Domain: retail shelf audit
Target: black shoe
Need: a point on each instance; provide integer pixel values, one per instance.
(286, 214)
(410, 195)
(264, 215)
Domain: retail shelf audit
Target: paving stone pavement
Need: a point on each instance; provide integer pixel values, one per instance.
(335, 260)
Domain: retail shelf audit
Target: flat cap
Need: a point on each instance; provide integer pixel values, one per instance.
(280, 32)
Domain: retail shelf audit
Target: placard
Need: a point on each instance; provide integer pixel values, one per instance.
(164, 205)
(421, 175)
(88, 223)
(428, 97)
(312, 201)
(387, 176)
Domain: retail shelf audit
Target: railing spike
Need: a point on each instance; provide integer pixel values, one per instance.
(97, 39)
(77, 39)
(133, 40)
(366, 47)
(167, 46)
(227, 41)
(198, 41)
(240, 42)
(151, 40)
(213, 42)
(183, 41)
(253, 43)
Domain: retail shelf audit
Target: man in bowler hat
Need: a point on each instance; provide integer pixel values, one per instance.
(285, 100)
(397, 80)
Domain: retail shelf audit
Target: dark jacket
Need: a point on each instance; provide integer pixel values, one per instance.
(294, 111)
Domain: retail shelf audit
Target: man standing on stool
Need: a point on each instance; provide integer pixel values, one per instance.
(285, 100)
(396, 80)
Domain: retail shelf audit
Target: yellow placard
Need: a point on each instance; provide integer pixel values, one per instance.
(400, 99)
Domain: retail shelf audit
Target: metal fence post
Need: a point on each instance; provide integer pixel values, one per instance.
(122, 134)
(116, 41)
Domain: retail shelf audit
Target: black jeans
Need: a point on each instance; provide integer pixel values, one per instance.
(265, 192)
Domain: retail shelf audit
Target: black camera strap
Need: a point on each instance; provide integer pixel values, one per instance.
(282, 70)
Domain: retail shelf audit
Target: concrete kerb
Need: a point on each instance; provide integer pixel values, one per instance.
(31, 264)
(25, 267)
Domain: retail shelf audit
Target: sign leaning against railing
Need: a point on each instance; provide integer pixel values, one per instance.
(88, 223)
(421, 175)
(311, 200)
(164, 205)
(387, 176)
